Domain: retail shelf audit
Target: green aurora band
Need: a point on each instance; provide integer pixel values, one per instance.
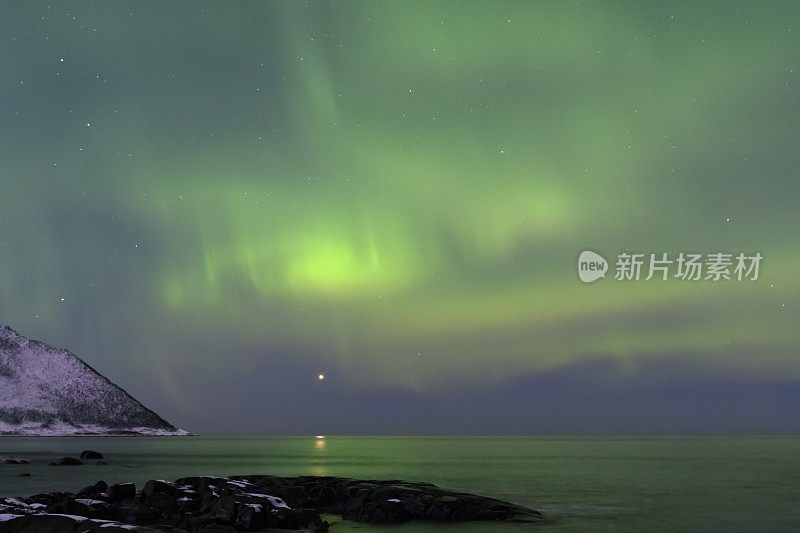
(400, 190)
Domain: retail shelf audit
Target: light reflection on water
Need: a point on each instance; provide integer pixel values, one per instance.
(319, 456)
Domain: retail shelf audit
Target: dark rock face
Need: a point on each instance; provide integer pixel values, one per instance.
(91, 455)
(390, 501)
(51, 523)
(97, 488)
(248, 503)
(120, 491)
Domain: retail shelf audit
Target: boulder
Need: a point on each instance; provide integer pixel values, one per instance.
(91, 455)
(44, 523)
(93, 490)
(158, 486)
(251, 517)
(119, 491)
(69, 461)
(89, 508)
(161, 502)
(59, 523)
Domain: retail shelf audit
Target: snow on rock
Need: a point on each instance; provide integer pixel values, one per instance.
(51, 392)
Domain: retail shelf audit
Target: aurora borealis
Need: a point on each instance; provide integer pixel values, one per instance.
(213, 203)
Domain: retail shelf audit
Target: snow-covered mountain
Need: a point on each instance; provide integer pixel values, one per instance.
(50, 391)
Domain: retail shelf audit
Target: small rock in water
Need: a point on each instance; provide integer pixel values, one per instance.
(69, 461)
(91, 454)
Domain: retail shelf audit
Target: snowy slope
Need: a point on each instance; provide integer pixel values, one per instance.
(49, 391)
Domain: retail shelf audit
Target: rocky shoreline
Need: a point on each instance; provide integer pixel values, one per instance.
(248, 503)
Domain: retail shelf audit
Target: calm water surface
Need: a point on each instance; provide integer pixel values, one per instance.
(580, 484)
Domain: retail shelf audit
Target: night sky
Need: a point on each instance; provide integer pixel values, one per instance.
(213, 203)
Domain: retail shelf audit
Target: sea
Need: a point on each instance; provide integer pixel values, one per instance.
(580, 484)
